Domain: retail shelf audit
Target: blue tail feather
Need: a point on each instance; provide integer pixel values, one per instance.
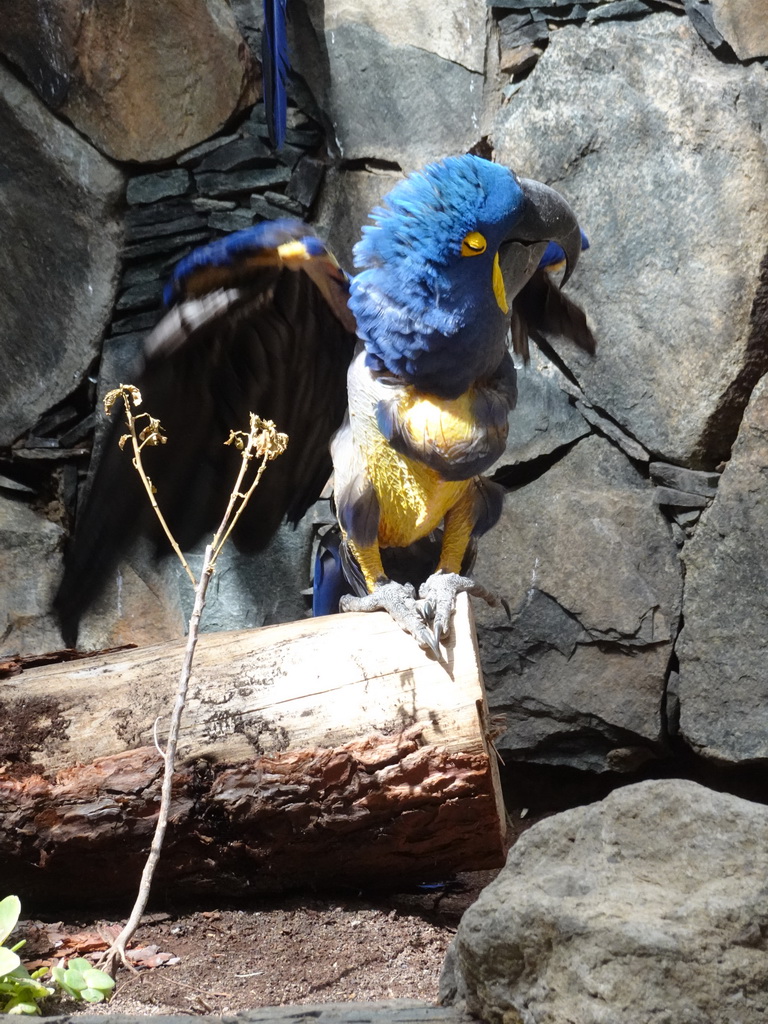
(274, 60)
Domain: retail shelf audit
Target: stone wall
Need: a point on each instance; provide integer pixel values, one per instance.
(617, 531)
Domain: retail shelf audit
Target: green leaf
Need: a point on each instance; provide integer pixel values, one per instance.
(9, 961)
(74, 979)
(79, 964)
(19, 1006)
(10, 908)
(61, 977)
(94, 978)
(92, 995)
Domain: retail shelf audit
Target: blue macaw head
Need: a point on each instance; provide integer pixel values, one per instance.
(431, 301)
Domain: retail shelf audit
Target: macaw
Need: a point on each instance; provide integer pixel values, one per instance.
(404, 369)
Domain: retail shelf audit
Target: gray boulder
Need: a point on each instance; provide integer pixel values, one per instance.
(544, 418)
(346, 199)
(141, 82)
(660, 148)
(30, 562)
(723, 648)
(147, 602)
(59, 260)
(743, 26)
(397, 82)
(590, 570)
(647, 908)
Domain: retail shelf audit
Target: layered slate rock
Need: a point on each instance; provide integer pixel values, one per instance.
(590, 570)
(398, 83)
(659, 148)
(141, 81)
(634, 909)
(723, 648)
(59, 260)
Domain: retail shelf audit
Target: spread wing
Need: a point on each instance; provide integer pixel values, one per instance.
(258, 323)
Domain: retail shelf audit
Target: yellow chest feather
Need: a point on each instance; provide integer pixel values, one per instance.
(413, 498)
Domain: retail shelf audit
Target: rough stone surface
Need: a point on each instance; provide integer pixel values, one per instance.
(346, 199)
(723, 648)
(147, 602)
(670, 496)
(30, 560)
(149, 188)
(744, 26)
(660, 148)
(636, 909)
(371, 67)
(59, 259)
(544, 418)
(590, 570)
(141, 81)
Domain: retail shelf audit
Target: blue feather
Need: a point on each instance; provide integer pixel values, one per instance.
(424, 311)
(275, 63)
(227, 251)
(329, 583)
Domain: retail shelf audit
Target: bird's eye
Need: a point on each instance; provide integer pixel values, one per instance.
(473, 244)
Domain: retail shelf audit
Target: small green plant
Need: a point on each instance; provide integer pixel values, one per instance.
(82, 980)
(20, 991)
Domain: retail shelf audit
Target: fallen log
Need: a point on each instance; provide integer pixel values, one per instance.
(326, 752)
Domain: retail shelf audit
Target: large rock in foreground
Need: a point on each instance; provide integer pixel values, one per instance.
(660, 149)
(723, 648)
(59, 259)
(649, 906)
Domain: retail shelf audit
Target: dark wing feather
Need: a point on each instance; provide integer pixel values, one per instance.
(274, 63)
(278, 348)
(544, 312)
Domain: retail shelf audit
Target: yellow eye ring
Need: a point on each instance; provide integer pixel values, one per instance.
(473, 244)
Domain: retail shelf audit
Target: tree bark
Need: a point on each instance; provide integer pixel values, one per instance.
(325, 752)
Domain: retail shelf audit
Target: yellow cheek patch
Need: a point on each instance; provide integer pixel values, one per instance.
(498, 286)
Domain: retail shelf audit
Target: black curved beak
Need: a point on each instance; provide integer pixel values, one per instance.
(548, 218)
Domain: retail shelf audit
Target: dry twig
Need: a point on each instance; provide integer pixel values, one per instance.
(262, 442)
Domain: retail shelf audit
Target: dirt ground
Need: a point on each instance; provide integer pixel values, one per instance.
(292, 950)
